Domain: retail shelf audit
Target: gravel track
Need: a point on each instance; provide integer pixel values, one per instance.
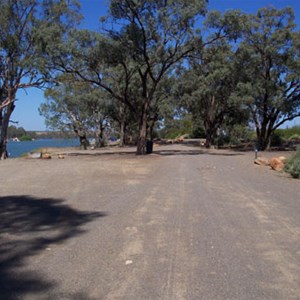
(181, 223)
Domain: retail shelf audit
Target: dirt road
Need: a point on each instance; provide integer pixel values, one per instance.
(181, 223)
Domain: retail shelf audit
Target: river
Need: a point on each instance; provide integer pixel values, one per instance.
(16, 149)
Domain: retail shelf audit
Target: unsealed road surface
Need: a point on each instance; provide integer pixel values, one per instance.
(181, 223)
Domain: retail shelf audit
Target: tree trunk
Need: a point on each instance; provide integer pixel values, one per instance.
(4, 122)
(264, 141)
(210, 131)
(264, 129)
(84, 142)
(141, 143)
(210, 140)
(100, 136)
(122, 133)
(210, 122)
(151, 129)
(263, 137)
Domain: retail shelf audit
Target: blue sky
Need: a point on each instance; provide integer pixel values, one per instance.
(26, 111)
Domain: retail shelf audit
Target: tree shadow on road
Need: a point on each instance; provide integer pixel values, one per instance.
(164, 150)
(195, 152)
(28, 226)
(95, 153)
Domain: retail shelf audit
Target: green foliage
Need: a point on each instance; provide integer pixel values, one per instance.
(20, 133)
(198, 132)
(154, 66)
(178, 128)
(14, 131)
(239, 134)
(132, 60)
(293, 165)
(268, 64)
(289, 133)
(25, 137)
(276, 140)
(207, 87)
(175, 127)
(294, 137)
(28, 30)
(176, 124)
(75, 106)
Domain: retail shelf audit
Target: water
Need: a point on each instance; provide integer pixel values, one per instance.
(16, 149)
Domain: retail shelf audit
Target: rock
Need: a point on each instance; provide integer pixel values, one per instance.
(46, 156)
(61, 156)
(128, 262)
(34, 155)
(277, 163)
(283, 158)
(262, 161)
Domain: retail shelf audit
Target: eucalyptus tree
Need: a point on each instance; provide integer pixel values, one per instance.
(161, 35)
(157, 35)
(207, 88)
(26, 28)
(131, 59)
(76, 106)
(268, 61)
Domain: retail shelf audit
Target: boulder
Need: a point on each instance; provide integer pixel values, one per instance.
(283, 158)
(46, 156)
(277, 163)
(262, 161)
(34, 155)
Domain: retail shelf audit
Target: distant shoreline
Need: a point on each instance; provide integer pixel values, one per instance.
(17, 149)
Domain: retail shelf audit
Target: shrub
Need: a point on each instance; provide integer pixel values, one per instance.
(293, 165)
(25, 137)
(294, 137)
(198, 133)
(276, 140)
(239, 134)
(287, 133)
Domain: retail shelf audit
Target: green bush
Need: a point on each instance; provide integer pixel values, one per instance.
(276, 140)
(25, 137)
(287, 133)
(198, 133)
(294, 137)
(239, 134)
(293, 165)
